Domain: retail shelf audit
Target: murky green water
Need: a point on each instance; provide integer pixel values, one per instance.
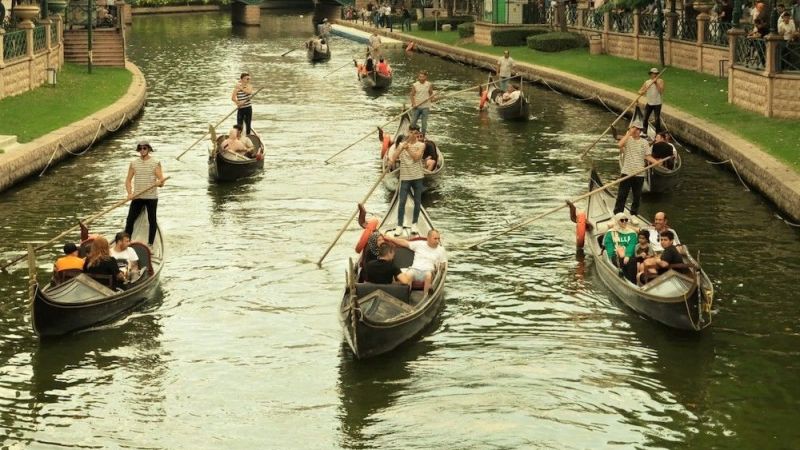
(242, 349)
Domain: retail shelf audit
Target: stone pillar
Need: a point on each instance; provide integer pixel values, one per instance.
(59, 28)
(606, 28)
(245, 14)
(733, 34)
(2, 52)
(124, 11)
(636, 18)
(47, 25)
(28, 26)
(579, 20)
(702, 20)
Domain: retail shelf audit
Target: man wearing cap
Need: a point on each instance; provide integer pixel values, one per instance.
(70, 260)
(144, 172)
(653, 90)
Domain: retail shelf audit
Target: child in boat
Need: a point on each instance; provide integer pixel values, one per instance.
(643, 251)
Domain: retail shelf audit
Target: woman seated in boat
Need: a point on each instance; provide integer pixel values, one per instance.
(369, 64)
(383, 68)
(662, 148)
(620, 245)
(510, 95)
(374, 243)
(101, 266)
(234, 143)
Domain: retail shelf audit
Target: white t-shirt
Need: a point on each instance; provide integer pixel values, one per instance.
(128, 254)
(426, 258)
(655, 243)
(505, 66)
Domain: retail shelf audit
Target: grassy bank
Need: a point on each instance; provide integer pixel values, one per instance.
(76, 96)
(702, 95)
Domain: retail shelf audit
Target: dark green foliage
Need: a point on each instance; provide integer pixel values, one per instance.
(514, 37)
(556, 42)
(466, 29)
(429, 23)
(157, 3)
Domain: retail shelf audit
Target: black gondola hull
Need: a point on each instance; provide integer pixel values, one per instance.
(376, 81)
(224, 169)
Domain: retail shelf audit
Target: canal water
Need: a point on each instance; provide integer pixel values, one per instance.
(242, 349)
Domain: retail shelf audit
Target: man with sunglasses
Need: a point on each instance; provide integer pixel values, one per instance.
(144, 171)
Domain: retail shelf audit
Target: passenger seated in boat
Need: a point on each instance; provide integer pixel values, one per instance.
(660, 224)
(660, 264)
(643, 250)
(511, 95)
(383, 68)
(428, 155)
(374, 243)
(382, 270)
(662, 148)
(428, 256)
(321, 46)
(620, 244)
(70, 263)
(312, 43)
(101, 266)
(234, 143)
(127, 259)
(369, 64)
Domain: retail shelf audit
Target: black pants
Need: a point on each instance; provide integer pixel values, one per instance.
(133, 213)
(631, 184)
(656, 111)
(628, 270)
(245, 116)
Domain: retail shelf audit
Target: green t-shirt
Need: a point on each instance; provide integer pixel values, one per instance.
(626, 240)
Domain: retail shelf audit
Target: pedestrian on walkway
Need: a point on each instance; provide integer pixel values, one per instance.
(406, 19)
(143, 172)
(421, 98)
(653, 90)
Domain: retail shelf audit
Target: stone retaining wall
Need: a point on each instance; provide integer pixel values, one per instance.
(23, 74)
(774, 179)
(29, 159)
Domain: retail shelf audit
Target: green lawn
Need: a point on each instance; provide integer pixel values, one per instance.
(76, 96)
(702, 95)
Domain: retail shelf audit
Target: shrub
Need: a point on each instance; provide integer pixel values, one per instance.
(466, 29)
(429, 23)
(512, 37)
(556, 42)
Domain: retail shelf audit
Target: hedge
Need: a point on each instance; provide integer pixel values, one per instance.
(429, 23)
(466, 29)
(513, 37)
(556, 42)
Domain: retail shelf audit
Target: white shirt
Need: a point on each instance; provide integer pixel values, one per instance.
(509, 98)
(426, 258)
(374, 41)
(505, 66)
(655, 243)
(786, 29)
(422, 93)
(128, 255)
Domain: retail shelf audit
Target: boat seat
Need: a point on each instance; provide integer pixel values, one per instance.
(399, 291)
(145, 256)
(64, 275)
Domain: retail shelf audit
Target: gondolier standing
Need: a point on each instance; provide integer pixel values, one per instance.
(143, 172)
(504, 67)
(375, 44)
(653, 90)
(411, 174)
(421, 97)
(633, 151)
(241, 96)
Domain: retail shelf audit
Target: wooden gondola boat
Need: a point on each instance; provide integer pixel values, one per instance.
(375, 80)
(316, 56)
(516, 110)
(377, 318)
(82, 302)
(679, 298)
(392, 179)
(229, 166)
(661, 178)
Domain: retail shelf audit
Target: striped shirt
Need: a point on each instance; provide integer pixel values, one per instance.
(144, 175)
(410, 169)
(633, 156)
(242, 97)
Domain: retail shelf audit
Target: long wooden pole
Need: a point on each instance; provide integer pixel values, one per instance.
(85, 221)
(432, 98)
(622, 114)
(364, 200)
(338, 68)
(215, 126)
(551, 211)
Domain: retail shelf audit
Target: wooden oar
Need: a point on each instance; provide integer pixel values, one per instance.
(85, 221)
(429, 99)
(290, 51)
(636, 100)
(366, 197)
(215, 126)
(339, 68)
(547, 213)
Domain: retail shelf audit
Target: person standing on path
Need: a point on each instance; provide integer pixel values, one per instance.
(504, 67)
(421, 98)
(241, 96)
(143, 172)
(633, 153)
(653, 90)
(411, 174)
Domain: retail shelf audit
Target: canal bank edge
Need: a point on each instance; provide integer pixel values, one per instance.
(31, 158)
(778, 182)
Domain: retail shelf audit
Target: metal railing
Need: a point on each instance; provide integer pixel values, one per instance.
(750, 52)
(14, 45)
(685, 30)
(787, 55)
(39, 38)
(649, 26)
(621, 22)
(717, 33)
(593, 20)
(572, 14)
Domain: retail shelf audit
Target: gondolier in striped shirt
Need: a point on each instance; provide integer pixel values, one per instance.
(411, 174)
(143, 172)
(241, 96)
(633, 152)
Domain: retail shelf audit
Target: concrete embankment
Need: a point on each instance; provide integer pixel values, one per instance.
(31, 158)
(778, 182)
